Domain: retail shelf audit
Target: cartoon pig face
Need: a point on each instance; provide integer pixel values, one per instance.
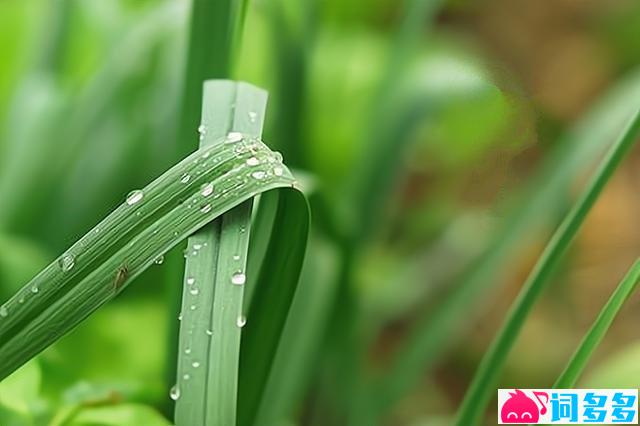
(519, 408)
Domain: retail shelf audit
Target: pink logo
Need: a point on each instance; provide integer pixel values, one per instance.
(519, 408)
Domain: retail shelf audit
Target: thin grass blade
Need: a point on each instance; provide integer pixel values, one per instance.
(215, 274)
(484, 381)
(596, 333)
(576, 153)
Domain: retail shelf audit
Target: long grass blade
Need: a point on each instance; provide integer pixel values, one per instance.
(483, 383)
(302, 336)
(596, 333)
(216, 259)
(576, 153)
(270, 305)
(128, 241)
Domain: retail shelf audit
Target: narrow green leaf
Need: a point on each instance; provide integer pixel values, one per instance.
(105, 261)
(270, 304)
(596, 333)
(302, 336)
(575, 154)
(216, 260)
(484, 381)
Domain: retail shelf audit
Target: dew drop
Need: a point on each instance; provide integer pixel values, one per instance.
(253, 116)
(278, 171)
(159, 260)
(236, 257)
(135, 197)
(206, 155)
(259, 175)
(194, 291)
(209, 333)
(238, 278)
(186, 377)
(206, 209)
(207, 189)
(233, 137)
(195, 364)
(66, 262)
(241, 321)
(193, 307)
(3, 311)
(197, 246)
(185, 178)
(34, 289)
(202, 129)
(180, 317)
(253, 161)
(174, 393)
(187, 351)
(191, 281)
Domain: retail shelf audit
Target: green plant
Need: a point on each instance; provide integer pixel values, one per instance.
(151, 221)
(594, 336)
(483, 384)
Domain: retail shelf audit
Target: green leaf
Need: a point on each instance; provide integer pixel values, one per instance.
(575, 154)
(302, 336)
(484, 381)
(619, 370)
(216, 257)
(594, 336)
(103, 262)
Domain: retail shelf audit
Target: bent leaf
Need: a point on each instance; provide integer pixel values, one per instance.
(151, 221)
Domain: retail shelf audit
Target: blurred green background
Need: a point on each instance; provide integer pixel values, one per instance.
(420, 133)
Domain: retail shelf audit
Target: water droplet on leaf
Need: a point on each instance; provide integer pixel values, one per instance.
(233, 137)
(241, 321)
(66, 262)
(174, 393)
(135, 197)
(259, 175)
(238, 278)
(207, 189)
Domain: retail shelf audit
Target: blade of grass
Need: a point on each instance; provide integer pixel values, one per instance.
(302, 335)
(103, 262)
(216, 26)
(484, 381)
(270, 306)
(215, 32)
(429, 338)
(209, 335)
(596, 333)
